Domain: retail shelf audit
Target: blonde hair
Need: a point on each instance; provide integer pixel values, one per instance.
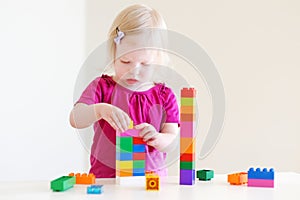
(133, 18)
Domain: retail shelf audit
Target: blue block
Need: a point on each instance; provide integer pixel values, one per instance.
(139, 148)
(138, 172)
(258, 174)
(187, 177)
(126, 156)
(94, 189)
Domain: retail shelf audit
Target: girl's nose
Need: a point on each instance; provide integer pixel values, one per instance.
(135, 68)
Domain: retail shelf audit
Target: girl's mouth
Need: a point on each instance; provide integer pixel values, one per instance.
(131, 81)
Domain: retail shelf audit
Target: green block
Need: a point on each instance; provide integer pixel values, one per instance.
(126, 144)
(185, 101)
(187, 165)
(138, 164)
(63, 183)
(205, 175)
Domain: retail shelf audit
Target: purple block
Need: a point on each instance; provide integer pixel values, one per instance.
(187, 177)
(260, 183)
(187, 129)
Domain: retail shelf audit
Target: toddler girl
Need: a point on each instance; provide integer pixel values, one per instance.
(110, 102)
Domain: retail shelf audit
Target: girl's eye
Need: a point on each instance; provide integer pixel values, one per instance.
(146, 64)
(125, 61)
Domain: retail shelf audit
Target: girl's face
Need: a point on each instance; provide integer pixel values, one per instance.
(135, 68)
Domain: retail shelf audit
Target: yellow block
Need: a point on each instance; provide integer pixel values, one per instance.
(126, 164)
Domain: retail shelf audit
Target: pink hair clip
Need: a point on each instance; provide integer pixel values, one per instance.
(119, 36)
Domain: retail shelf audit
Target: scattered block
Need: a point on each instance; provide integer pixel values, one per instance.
(261, 178)
(63, 183)
(152, 181)
(94, 189)
(84, 178)
(237, 178)
(205, 175)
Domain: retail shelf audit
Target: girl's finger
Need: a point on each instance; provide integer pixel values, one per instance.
(115, 118)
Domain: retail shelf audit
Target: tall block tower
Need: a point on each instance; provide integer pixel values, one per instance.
(187, 136)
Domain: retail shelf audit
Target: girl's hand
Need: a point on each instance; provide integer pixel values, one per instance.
(116, 117)
(148, 132)
(164, 141)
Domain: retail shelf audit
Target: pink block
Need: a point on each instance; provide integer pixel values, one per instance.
(187, 129)
(130, 132)
(260, 183)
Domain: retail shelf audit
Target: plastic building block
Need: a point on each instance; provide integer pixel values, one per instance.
(152, 181)
(205, 175)
(260, 183)
(187, 145)
(138, 148)
(63, 183)
(187, 157)
(261, 178)
(139, 156)
(126, 144)
(188, 92)
(130, 125)
(94, 189)
(187, 117)
(187, 177)
(188, 129)
(187, 165)
(187, 109)
(258, 174)
(187, 101)
(84, 178)
(237, 178)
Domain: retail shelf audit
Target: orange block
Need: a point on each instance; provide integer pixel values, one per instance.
(123, 173)
(238, 178)
(188, 92)
(187, 145)
(84, 178)
(187, 117)
(187, 109)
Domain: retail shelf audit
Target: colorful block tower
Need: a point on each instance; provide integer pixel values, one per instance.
(187, 136)
(130, 153)
(258, 178)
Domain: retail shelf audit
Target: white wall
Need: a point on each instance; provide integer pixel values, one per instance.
(41, 50)
(255, 45)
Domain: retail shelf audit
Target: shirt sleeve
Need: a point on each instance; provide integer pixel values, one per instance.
(91, 94)
(171, 107)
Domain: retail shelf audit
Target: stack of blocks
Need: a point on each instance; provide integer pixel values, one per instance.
(130, 153)
(258, 178)
(187, 136)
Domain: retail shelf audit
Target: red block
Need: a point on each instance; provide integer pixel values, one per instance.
(187, 157)
(138, 140)
(188, 92)
(139, 156)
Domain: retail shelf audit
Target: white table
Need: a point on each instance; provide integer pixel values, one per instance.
(287, 186)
